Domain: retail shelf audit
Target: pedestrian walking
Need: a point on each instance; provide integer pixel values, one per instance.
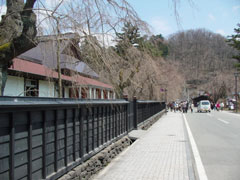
(221, 106)
(212, 105)
(217, 106)
(191, 107)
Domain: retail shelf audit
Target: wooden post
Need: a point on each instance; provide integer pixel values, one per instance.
(127, 114)
(135, 123)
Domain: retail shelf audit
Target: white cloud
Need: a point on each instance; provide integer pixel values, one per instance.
(211, 17)
(160, 26)
(235, 8)
(3, 10)
(221, 31)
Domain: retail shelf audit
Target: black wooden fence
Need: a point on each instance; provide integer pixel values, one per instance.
(43, 138)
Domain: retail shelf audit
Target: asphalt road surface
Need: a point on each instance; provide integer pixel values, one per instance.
(217, 135)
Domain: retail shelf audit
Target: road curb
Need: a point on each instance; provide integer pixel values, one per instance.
(232, 113)
(197, 162)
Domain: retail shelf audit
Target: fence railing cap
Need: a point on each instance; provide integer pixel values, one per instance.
(149, 101)
(33, 101)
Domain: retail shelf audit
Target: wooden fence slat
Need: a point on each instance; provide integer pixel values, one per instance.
(29, 146)
(102, 114)
(98, 127)
(12, 146)
(66, 137)
(93, 121)
(56, 142)
(74, 133)
(44, 168)
(87, 118)
(105, 124)
(80, 133)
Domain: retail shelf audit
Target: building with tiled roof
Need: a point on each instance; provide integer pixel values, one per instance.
(34, 73)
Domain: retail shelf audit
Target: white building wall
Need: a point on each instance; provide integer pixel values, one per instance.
(90, 93)
(94, 94)
(46, 89)
(14, 86)
(55, 91)
(102, 95)
(80, 92)
(66, 92)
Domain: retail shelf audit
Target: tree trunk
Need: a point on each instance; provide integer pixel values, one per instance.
(150, 97)
(17, 34)
(58, 61)
(3, 77)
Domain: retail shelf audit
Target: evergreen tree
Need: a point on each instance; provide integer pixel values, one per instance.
(235, 42)
(130, 36)
(155, 46)
(130, 33)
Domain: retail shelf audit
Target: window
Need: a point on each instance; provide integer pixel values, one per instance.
(205, 103)
(73, 93)
(31, 88)
(111, 95)
(93, 95)
(98, 94)
(105, 94)
(56, 90)
(84, 93)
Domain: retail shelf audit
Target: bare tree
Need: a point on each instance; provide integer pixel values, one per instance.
(18, 27)
(136, 74)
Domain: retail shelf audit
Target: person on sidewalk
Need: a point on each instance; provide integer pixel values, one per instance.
(187, 106)
(217, 106)
(191, 107)
(212, 105)
(222, 106)
(175, 106)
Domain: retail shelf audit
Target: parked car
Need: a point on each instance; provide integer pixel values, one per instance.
(204, 106)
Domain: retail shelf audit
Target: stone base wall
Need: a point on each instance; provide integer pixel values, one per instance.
(99, 161)
(148, 123)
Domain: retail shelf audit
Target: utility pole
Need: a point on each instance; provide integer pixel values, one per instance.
(165, 95)
(236, 90)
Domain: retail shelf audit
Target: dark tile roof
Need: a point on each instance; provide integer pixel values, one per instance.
(46, 53)
(28, 67)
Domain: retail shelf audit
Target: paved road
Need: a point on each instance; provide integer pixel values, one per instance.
(217, 135)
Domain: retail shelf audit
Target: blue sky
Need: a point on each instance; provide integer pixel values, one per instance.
(219, 16)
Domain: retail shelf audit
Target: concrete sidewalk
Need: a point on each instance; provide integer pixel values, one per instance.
(162, 153)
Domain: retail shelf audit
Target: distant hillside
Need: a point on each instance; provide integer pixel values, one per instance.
(202, 56)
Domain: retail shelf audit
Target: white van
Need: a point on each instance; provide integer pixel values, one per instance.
(204, 106)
